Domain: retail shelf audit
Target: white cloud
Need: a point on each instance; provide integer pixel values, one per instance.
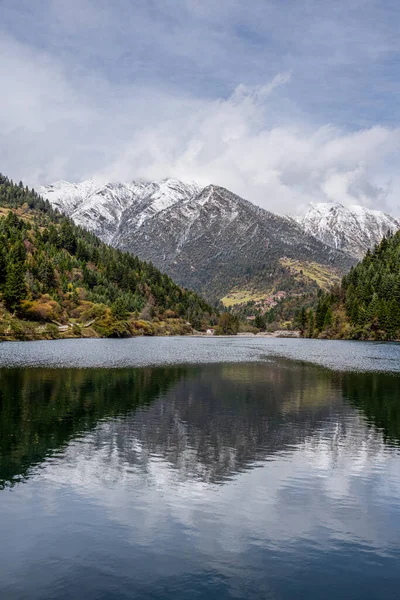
(61, 122)
(279, 167)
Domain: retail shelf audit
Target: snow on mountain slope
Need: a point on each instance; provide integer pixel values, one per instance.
(66, 197)
(353, 229)
(101, 208)
(155, 198)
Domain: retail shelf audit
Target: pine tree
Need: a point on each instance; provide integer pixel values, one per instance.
(302, 320)
(328, 319)
(119, 310)
(311, 324)
(67, 237)
(320, 313)
(383, 316)
(15, 287)
(260, 322)
(394, 318)
(3, 263)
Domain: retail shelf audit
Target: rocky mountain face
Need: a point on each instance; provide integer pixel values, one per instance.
(209, 239)
(353, 229)
(217, 241)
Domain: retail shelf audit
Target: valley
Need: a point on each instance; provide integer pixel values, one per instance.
(261, 267)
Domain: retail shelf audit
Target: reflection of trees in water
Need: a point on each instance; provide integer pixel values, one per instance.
(206, 421)
(42, 409)
(378, 396)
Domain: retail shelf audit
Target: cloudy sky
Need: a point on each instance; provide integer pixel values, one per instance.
(282, 101)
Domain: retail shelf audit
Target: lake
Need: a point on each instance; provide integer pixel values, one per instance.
(176, 468)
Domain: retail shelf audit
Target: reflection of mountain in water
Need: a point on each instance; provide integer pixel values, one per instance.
(207, 422)
(228, 417)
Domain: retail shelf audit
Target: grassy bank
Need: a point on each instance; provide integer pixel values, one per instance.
(13, 328)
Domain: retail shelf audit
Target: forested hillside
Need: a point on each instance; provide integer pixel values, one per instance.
(367, 303)
(58, 279)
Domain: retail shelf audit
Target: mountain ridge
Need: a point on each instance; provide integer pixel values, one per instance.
(92, 201)
(208, 239)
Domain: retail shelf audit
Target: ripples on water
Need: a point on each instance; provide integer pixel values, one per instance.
(138, 352)
(273, 479)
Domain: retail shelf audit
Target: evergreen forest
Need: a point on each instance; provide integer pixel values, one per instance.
(367, 303)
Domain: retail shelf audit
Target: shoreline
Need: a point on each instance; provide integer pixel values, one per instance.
(93, 335)
(174, 351)
(198, 334)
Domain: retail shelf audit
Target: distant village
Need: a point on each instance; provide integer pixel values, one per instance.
(265, 304)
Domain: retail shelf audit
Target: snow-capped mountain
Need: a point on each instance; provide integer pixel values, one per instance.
(100, 208)
(207, 239)
(352, 229)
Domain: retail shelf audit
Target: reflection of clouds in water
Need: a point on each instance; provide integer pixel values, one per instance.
(311, 491)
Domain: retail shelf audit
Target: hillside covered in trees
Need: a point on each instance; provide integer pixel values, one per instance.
(367, 303)
(57, 279)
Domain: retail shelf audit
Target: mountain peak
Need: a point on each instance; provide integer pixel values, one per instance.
(353, 229)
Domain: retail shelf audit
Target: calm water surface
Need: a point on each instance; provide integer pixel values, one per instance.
(184, 468)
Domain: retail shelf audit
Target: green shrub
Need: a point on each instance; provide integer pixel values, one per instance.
(51, 331)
